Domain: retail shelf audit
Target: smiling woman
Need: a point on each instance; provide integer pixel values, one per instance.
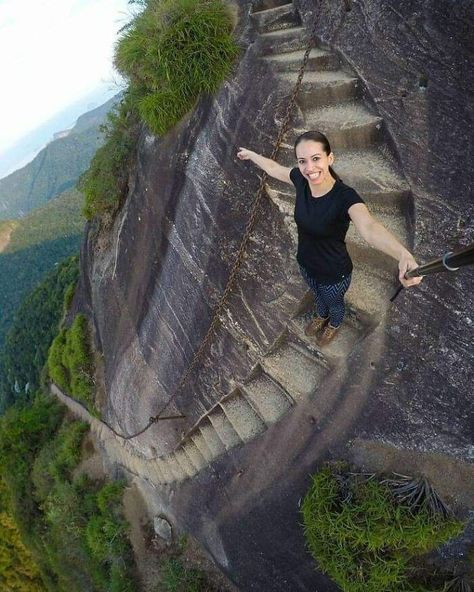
(323, 210)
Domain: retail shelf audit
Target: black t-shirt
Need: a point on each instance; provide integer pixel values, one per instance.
(322, 226)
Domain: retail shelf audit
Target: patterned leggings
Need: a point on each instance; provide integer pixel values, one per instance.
(330, 298)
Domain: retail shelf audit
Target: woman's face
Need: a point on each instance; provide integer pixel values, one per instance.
(314, 163)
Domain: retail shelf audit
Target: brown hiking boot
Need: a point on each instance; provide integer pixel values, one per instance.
(316, 325)
(328, 335)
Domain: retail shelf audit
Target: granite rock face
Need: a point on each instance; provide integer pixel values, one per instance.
(400, 396)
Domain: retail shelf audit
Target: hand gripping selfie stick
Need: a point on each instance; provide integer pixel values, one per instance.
(448, 262)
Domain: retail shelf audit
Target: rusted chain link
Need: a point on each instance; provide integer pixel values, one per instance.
(220, 307)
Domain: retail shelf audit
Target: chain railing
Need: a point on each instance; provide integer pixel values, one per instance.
(252, 221)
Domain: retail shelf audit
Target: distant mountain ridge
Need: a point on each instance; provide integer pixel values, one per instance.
(23, 151)
(56, 168)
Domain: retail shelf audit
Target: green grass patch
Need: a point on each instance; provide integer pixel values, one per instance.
(70, 362)
(363, 538)
(171, 53)
(178, 578)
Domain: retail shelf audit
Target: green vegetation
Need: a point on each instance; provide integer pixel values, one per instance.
(74, 527)
(178, 578)
(104, 184)
(60, 217)
(18, 571)
(70, 362)
(55, 169)
(34, 327)
(362, 538)
(39, 242)
(177, 573)
(171, 53)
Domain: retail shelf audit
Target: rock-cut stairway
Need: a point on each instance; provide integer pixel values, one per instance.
(293, 368)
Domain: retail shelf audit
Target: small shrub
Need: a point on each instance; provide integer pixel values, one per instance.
(110, 497)
(56, 369)
(68, 449)
(18, 570)
(57, 515)
(70, 362)
(104, 183)
(178, 578)
(362, 538)
(68, 296)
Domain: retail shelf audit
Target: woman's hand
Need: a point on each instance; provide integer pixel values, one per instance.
(245, 154)
(405, 263)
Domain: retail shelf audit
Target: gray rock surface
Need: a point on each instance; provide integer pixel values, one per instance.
(163, 528)
(402, 388)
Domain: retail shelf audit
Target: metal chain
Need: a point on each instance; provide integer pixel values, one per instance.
(219, 309)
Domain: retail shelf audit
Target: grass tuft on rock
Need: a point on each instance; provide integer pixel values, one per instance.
(171, 53)
(362, 538)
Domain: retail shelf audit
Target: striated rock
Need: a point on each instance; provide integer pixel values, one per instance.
(265, 407)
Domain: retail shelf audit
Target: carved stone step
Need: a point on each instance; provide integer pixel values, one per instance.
(155, 473)
(319, 59)
(320, 89)
(395, 224)
(199, 440)
(174, 468)
(194, 455)
(136, 464)
(352, 331)
(277, 18)
(165, 470)
(224, 428)
(282, 195)
(283, 41)
(242, 416)
(185, 462)
(211, 437)
(299, 373)
(393, 202)
(348, 125)
(367, 171)
(267, 397)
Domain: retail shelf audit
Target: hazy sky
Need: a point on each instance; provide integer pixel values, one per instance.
(53, 52)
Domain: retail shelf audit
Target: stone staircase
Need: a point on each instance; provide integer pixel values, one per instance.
(293, 368)
(331, 101)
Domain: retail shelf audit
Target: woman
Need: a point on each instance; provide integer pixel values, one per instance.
(324, 207)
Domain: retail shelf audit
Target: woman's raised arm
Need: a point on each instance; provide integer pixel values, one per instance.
(380, 238)
(272, 168)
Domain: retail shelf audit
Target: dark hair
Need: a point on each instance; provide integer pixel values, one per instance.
(314, 136)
